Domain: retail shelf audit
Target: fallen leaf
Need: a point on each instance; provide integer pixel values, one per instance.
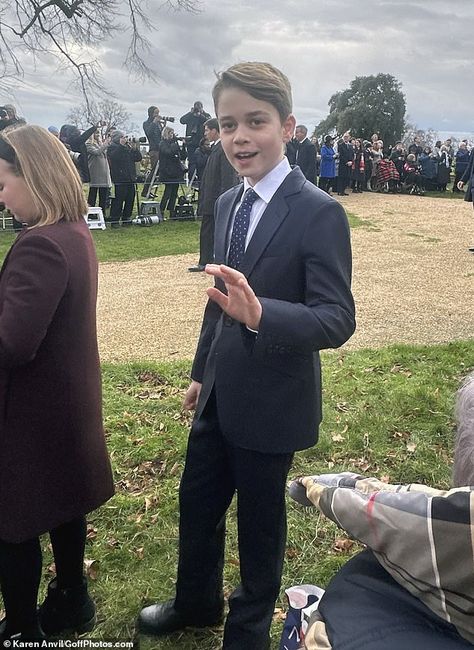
(175, 469)
(112, 542)
(91, 568)
(411, 447)
(343, 544)
(336, 437)
(91, 532)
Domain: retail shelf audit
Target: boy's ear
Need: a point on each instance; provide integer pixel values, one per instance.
(289, 126)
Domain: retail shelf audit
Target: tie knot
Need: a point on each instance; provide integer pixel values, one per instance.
(250, 197)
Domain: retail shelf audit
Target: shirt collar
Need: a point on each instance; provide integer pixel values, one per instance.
(268, 185)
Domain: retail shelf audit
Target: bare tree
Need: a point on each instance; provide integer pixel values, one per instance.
(427, 137)
(107, 111)
(70, 30)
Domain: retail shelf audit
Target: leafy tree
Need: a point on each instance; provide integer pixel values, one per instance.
(373, 104)
(69, 30)
(107, 111)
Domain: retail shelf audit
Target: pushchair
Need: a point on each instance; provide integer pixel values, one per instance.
(414, 182)
(387, 178)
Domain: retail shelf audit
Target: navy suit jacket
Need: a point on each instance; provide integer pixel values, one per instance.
(298, 262)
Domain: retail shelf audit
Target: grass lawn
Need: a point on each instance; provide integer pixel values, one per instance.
(386, 413)
(168, 238)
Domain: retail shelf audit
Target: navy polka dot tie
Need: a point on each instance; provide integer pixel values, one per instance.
(240, 229)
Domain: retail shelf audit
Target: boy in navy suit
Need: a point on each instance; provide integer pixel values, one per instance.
(282, 293)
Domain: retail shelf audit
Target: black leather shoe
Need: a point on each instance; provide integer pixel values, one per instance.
(67, 611)
(162, 618)
(197, 269)
(33, 633)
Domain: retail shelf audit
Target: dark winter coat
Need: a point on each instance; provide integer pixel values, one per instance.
(152, 131)
(461, 161)
(194, 127)
(429, 165)
(171, 162)
(219, 176)
(53, 461)
(358, 168)
(306, 159)
(398, 158)
(444, 168)
(76, 141)
(201, 156)
(468, 177)
(122, 159)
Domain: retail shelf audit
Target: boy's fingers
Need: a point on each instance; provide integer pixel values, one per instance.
(218, 297)
(224, 272)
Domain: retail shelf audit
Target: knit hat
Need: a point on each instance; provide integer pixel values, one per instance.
(116, 135)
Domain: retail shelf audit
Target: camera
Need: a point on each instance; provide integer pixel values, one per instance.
(167, 119)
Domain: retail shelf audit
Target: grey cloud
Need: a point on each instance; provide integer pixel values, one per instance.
(320, 46)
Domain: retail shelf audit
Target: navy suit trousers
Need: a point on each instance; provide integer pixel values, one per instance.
(214, 471)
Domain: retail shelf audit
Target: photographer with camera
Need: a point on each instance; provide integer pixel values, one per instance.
(171, 172)
(122, 155)
(99, 170)
(75, 141)
(153, 128)
(194, 121)
(8, 117)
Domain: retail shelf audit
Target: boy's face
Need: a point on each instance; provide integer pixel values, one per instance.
(252, 133)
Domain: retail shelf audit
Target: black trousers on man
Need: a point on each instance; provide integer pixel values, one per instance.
(343, 179)
(122, 204)
(214, 471)
(206, 240)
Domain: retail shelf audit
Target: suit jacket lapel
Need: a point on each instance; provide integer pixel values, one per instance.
(275, 213)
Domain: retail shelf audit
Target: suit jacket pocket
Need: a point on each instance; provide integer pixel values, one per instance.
(287, 363)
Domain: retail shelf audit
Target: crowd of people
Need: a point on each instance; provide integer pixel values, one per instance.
(351, 163)
(112, 159)
(282, 270)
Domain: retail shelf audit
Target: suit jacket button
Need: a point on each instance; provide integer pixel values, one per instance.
(228, 321)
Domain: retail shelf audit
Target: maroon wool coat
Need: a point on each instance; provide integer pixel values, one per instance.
(54, 464)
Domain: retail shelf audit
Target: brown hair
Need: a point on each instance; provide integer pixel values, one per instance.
(48, 171)
(212, 123)
(260, 80)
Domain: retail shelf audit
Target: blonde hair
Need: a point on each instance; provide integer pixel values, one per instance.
(48, 171)
(167, 133)
(260, 80)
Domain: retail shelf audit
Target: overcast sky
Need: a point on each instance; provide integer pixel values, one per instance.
(321, 46)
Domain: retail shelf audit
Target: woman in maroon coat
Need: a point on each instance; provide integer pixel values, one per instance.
(54, 466)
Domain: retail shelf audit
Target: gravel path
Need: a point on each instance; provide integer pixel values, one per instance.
(413, 283)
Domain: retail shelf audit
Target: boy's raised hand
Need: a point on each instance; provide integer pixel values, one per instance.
(241, 302)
